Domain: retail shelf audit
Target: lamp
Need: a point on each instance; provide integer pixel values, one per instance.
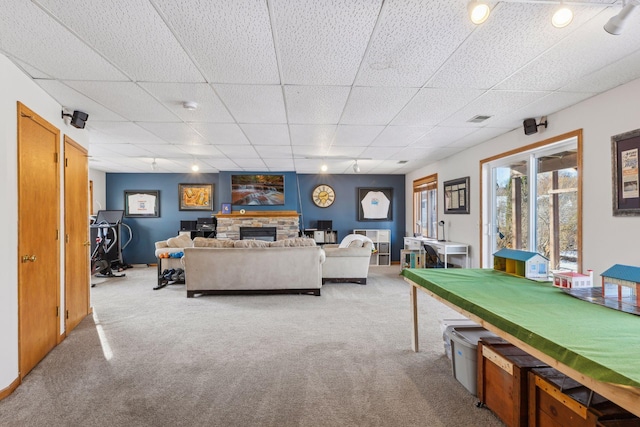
(562, 17)
(616, 23)
(478, 12)
(356, 167)
(441, 224)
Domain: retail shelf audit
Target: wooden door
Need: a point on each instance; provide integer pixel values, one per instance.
(38, 238)
(76, 226)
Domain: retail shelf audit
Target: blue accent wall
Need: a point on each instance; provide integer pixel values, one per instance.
(343, 212)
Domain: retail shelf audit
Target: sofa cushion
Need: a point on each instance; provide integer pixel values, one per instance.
(206, 242)
(181, 241)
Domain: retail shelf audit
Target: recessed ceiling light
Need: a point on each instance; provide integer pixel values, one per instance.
(195, 167)
(562, 17)
(478, 12)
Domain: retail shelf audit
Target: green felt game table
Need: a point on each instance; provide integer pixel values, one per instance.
(595, 345)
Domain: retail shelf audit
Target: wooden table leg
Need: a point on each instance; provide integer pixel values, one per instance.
(414, 316)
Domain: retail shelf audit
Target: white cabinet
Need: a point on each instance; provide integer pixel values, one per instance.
(381, 242)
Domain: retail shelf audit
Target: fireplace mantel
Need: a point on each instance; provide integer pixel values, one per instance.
(257, 214)
(287, 223)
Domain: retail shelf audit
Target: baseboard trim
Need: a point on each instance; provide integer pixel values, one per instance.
(7, 391)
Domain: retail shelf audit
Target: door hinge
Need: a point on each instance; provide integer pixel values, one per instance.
(57, 234)
(66, 238)
(55, 157)
(58, 311)
(66, 162)
(67, 314)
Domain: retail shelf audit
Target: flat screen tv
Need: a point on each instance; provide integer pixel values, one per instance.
(257, 190)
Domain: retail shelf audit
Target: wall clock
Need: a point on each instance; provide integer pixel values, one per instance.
(323, 196)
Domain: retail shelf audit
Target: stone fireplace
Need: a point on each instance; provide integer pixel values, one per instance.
(287, 223)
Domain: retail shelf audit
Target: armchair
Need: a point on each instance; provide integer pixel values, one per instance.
(350, 264)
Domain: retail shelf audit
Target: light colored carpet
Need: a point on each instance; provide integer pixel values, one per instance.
(156, 358)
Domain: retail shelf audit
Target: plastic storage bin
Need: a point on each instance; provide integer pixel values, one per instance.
(447, 325)
(464, 351)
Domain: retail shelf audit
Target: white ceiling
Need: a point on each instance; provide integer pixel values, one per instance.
(283, 84)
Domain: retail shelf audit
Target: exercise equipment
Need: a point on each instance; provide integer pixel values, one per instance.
(107, 244)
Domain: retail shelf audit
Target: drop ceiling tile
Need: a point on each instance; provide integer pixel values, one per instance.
(72, 100)
(315, 104)
(503, 44)
(32, 72)
(380, 153)
(353, 135)
(282, 165)
(587, 50)
(479, 136)
(250, 164)
(320, 45)
(549, 104)
(345, 151)
(222, 164)
(431, 106)
(375, 105)
(441, 136)
(30, 35)
(403, 52)
(131, 35)
(265, 134)
(200, 151)
(120, 150)
(126, 99)
(220, 133)
(120, 132)
(238, 151)
(494, 104)
(317, 135)
(253, 103)
(399, 136)
(174, 133)
(231, 40)
(608, 77)
(274, 151)
(171, 151)
(173, 95)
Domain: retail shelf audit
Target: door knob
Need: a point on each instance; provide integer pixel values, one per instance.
(27, 258)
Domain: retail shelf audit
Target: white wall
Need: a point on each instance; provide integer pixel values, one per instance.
(607, 240)
(99, 179)
(16, 86)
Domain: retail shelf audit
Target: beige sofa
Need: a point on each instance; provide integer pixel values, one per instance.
(350, 264)
(253, 266)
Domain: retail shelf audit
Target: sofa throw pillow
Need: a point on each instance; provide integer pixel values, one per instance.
(251, 244)
(297, 242)
(206, 242)
(181, 241)
(351, 237)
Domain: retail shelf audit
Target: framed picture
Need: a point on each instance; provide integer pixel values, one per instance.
(624, 172)
(195, 197)
(257, 190)
(226, 208)
(456, 196)
(375, 204)
(142, 203)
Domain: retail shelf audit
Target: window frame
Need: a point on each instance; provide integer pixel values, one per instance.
(427, 183)
(487, 195)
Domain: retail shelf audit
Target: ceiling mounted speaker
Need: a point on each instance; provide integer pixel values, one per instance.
(530, 126)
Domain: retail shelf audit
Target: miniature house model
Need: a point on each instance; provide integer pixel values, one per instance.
(622, 282)
(521, 263)
(572, 280)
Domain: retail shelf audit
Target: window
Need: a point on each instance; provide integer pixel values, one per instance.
(531, 200)
(425, 206)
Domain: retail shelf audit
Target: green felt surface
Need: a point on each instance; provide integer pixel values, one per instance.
(597, 341)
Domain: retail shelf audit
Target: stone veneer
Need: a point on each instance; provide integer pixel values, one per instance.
(286, 223)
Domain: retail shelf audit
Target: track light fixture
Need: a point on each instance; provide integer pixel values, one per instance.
(190, 105)
(356, 167)
(154, 165)
(478, 12)
(616, 23)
